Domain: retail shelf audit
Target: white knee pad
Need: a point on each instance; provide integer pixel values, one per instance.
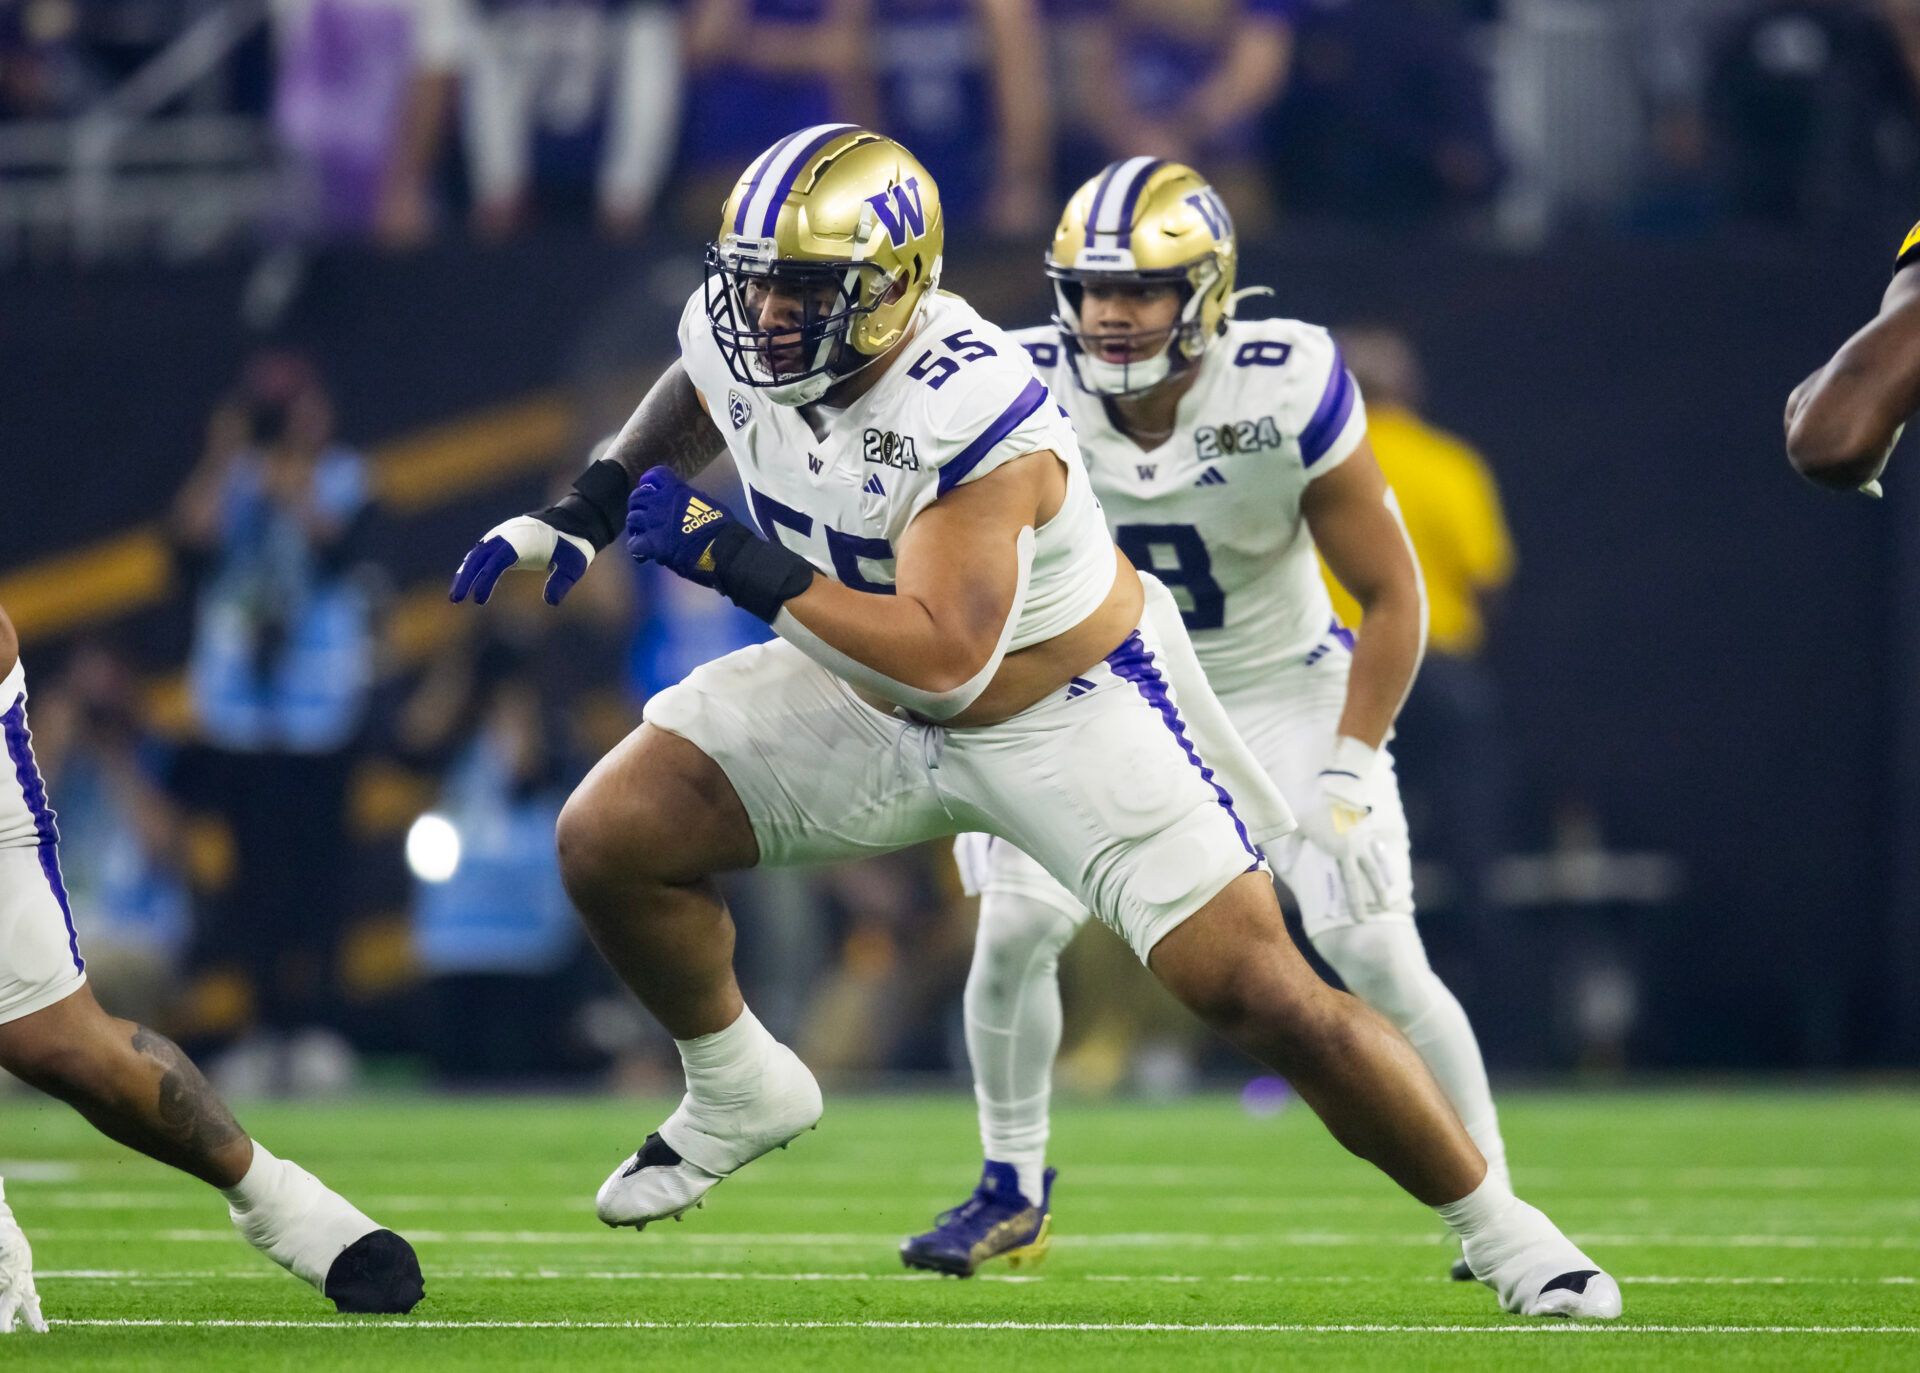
(1384, 963)
(1019, 942)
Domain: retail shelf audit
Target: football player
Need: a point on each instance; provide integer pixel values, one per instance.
(959, 647)
(1843, 421)
(1223, 452)
(136, 1086)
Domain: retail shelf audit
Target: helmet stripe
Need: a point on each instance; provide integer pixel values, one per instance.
(754, 173)
(1116, 187)
(1133, 198)
(784, 169)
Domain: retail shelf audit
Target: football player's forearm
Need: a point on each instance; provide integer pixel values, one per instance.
(899, 637)
(1386, 657)
(669, 428)
(1847, 420)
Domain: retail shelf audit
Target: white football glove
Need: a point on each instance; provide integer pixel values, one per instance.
(1338, 821)
(529, 543)
(19, 1303)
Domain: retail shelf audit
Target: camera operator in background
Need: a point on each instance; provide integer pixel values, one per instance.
(270, 530)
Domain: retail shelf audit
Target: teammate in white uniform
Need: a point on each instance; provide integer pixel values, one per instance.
(136, 1086)
(1222, 451)
(960, 647)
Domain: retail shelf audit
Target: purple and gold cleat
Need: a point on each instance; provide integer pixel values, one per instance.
(996, 1222)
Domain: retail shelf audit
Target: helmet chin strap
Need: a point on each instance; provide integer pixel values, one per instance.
(1233, 301)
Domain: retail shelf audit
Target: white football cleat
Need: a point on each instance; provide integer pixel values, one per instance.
(702, 1143)
(19, 1302)
(1537, 1271)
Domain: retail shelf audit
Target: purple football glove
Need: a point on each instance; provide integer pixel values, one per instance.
(670, 523)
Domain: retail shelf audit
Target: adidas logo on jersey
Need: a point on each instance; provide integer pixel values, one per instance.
(1213, 476)
(873, 487)
(698, 515)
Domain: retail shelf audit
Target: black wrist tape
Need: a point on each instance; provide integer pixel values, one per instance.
(755, 574)
(596, 508)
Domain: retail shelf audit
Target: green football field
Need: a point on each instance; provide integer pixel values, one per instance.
(1750, 1229)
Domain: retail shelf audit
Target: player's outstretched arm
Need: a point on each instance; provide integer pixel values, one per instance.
(669, 429)
(1844, 419)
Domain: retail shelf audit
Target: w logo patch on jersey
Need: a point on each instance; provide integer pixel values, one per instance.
(813, 463)
(1145, 470)
(901, 211)
(1213, 476)
(698, 516)
(873, 487)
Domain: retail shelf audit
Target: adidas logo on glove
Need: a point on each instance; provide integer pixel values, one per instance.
(698, 516)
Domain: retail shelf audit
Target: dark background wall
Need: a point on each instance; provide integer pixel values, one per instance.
(1703, 651)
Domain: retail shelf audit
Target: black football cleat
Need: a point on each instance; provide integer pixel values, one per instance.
(377, 1275)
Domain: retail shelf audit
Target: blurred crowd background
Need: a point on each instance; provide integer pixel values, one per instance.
(298, 296)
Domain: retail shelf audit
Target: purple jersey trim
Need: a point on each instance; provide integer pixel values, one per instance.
(34, 790)
(793, 175)
(1335, 408)
(1134, 663)
(1343, 634)
(1010, 419)
(1125, 239)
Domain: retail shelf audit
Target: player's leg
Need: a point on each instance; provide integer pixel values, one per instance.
(136, 1087)
(1234, 964)
(1012, 1018)
(1143, 799)
(1369, 938)
(1384, 963)
(760, 756)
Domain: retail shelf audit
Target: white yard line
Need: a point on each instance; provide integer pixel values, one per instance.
(691, 1236)
(1121, 1327)
(138, 1275)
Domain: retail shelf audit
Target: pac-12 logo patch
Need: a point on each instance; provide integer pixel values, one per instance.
(738, 410)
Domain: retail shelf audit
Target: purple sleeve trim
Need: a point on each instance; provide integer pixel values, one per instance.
(1010, 419)
(1332, 414)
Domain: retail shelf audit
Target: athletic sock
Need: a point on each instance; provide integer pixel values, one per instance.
(1012, 1013)
(1483, 1209)
(724, 1068)
(292, 1217)
(1015, 1133)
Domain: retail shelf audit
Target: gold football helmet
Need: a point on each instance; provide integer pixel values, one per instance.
(828, 246)
(1146, 222)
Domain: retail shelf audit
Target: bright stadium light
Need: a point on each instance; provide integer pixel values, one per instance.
(433, 848)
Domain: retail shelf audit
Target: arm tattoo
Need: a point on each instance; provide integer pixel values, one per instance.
(670, 428)
(187, 1115)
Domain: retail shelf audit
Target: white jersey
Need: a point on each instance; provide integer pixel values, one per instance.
(1214, 511)
(961, 400)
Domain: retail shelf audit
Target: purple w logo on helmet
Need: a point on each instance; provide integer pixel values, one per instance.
(1212, 211)
(901, 216)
